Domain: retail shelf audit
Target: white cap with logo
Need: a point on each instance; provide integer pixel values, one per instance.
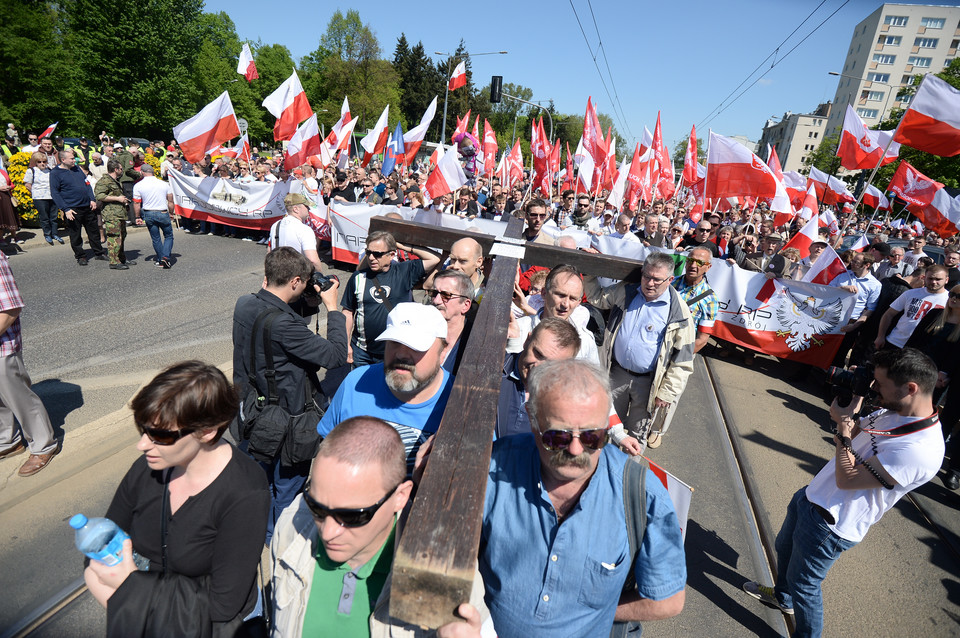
(414, 325)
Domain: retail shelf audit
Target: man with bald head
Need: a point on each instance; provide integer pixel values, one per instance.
(622, 229)
(466, 256)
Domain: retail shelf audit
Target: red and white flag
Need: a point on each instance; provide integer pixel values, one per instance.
(541, 161)
(874, 198)
(585, 175)
(679, 492)
(860, 244)
(932, 123)
(49, 131)
(861, 147)
(447, 177)
(246, 66)
(829, 221)
(634, 179)
(689, 175)
(413, 138)
(289, 105)
(827, 266)
(240, 151)
(490, 147)
(807, 235)
(593, 142)
(304, 143)
(615, 198)
(376, 140)
(646, 142)
(796, 185)
(215, 124)
(461, 127)
(336, 138)
(810, 208)
(459, 77)
(927, 199)
(830, 190)
(773, 161)
(732, 170)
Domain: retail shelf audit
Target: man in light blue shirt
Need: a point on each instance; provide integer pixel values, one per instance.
(859, 280)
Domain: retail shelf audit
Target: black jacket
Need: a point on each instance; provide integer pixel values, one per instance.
(298, 353)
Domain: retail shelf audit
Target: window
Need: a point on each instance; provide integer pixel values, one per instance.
(873, 96)
(932, 23)
(810, 134)
(878, 77)
(868, 113)
(892, 41)
(908, 80)
(880, 58)
(905, 99)
(926, 43)
(896, 21)
(816, 134)
(955, 43)
(923, 63)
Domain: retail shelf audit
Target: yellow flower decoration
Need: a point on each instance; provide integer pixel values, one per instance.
(154, 162)
(17, 169)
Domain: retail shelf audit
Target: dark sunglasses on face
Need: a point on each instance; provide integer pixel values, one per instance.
(377, 254)
(345, 517)
(446, 296)
(698, 262)
(159, 436)
(561, 439)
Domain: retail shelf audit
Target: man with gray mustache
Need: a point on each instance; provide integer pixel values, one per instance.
(409, 390)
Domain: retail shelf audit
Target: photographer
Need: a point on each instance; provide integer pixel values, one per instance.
(297, 355)
(877, 461)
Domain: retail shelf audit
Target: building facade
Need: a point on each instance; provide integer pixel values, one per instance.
(795, 136)
(888, 48)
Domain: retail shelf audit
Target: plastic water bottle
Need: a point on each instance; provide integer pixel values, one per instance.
(99, 538)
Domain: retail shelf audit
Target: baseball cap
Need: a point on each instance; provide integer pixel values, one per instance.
(414, 325)
(293, 199)
(774, 237)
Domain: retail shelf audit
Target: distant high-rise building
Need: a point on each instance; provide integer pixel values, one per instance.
(795, 136)
(888, 48)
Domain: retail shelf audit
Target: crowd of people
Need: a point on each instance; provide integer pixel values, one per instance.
(592, 374)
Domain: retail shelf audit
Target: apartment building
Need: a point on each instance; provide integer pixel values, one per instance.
(795, 136)
(888, 48)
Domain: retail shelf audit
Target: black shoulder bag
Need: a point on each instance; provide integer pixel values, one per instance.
(635, 511)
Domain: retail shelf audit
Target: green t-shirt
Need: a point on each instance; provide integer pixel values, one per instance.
(342, 599)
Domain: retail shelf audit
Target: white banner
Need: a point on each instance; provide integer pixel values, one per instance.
(254, 205)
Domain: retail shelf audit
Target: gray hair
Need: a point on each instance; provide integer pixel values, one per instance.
(659, 260)
(364, 441)
(461, 281)
(576, 378)
(146, 168)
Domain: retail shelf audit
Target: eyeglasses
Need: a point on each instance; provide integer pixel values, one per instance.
(561, 439)
(377, 254)
(345, 517)
(446, 296)
(698, 262)
(568, 198)
(160, 436)
(704, 230)
(368, 185)
(656, 281)
(536, 215)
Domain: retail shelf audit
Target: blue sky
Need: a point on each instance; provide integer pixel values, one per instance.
(680, 57)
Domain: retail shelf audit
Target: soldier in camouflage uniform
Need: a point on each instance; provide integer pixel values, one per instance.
(113, 202)
(129, 175)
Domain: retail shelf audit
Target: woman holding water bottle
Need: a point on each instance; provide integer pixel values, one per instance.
(194, 505)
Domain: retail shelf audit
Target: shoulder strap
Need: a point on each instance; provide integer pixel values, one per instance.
(381, 292)
(635, 504)
(909, 428)
(264, 326)
(692, 302)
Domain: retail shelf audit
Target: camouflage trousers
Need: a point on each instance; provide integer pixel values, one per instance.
(115, 229)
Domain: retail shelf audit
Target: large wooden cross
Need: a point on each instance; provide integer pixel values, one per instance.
(434, 565)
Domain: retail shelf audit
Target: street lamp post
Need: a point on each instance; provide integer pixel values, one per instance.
(550, 117)
(446, 93)
(886, 101)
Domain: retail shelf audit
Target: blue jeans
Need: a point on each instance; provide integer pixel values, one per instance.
(286, 481)
(806, 549)
(157, 221)
(47, 214)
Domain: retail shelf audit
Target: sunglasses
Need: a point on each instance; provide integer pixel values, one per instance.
(446, 296)
(561, 439)
(535, 216)
(345, 517)
(377, 254)
(160, 436)
(698, 262)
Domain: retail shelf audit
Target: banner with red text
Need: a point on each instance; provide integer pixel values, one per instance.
(255, 205)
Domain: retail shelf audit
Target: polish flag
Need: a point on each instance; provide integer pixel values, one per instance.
(329, 147)
(830, 190)
(476, 129)
(827, 266)
(585, 175)
(861, 147)
(578, 154)
(490, 147)
(336, 138)
(732, 170)
(240, 151)
(413, 138)
(681, 495)
(215, 124)
(610, 165)
(932, 123)
(615, 198)
(246, 66)
(49, 131)
(376, 140)
(773, 161)
(634, 179)
(289, 105)
(646, 142)
(461, 126)
(447, 177)
(802, 240)
(829, 221)
(689, 175)
(860, 244)
(796, 185)
(593, 142)
(810, 208)
(874, 198)
(459, 77)
(927, 199)
(304, 143)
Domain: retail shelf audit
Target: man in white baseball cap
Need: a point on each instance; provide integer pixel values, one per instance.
(409, 389)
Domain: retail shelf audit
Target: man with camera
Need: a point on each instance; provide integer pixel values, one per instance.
(878, 459)
(297, 355)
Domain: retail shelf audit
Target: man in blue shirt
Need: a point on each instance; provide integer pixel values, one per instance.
(859, 280)
(73, 195)
(546, 569)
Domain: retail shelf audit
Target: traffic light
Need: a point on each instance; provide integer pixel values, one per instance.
(496, 87)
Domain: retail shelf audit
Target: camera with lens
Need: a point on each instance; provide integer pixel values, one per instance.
(324, 282)
(845, 384)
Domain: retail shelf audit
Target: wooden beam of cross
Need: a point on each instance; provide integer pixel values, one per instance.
(434, 565)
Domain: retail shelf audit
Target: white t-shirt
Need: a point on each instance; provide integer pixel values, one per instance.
(578, 319)
(914, 304)
(912, 258)
(151, 193)
(293, 233)
(40, 180)
(912, 460)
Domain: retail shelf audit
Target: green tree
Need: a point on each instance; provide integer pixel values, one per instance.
(419, 82)
(824, 157)
(680, 151)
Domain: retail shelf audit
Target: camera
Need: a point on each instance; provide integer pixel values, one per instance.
(845, 384)
(323, 281)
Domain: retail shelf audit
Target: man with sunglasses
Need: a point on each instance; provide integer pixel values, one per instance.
(700, 297)
(535, 213)
(648, 344)
(376, 288)
(546, 568)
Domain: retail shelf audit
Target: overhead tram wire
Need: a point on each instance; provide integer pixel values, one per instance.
(817, 28)
(606, 62)
(593, 56)
(762, 62)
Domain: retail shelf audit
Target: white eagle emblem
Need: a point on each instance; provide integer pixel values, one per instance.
(802, 320)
